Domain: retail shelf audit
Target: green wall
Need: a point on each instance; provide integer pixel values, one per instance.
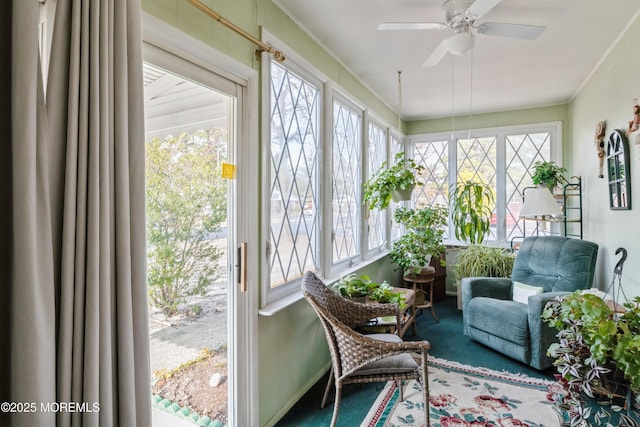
(608, 95)
(294, 353)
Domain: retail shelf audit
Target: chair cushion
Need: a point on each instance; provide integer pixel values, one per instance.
(389, 365)
(522, 292)
(502, 318)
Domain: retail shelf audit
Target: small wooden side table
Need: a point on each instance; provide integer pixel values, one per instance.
(419, 280)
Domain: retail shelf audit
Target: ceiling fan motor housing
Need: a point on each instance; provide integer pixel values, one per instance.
(455, 13)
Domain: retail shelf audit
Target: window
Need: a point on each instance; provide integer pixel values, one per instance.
(317, 157)
(503, 158)
(347, 143)
(522, 151)
(377, 150)
(294, 128)
(434, 156)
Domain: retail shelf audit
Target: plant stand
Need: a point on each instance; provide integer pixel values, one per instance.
(418, 281)
(388, 325)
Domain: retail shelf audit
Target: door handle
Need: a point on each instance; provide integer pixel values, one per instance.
(242, 266)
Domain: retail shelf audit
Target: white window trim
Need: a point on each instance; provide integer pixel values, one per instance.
(500, 133)
(274, 300)
(158, 35)
(372, 119)
(328, 155)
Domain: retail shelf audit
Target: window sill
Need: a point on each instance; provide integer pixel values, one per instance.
(282, 303)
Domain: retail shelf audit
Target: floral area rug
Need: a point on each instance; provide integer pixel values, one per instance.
(462, 395)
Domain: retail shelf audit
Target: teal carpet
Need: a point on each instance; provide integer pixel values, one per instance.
(447, 342)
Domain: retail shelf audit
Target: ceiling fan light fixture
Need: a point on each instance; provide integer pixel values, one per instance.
(461, 42)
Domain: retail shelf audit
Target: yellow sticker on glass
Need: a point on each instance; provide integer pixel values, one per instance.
(228, 171)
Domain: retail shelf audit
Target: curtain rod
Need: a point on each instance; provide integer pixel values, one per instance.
(262, 47)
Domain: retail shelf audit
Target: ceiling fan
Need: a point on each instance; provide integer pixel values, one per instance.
(460, 16)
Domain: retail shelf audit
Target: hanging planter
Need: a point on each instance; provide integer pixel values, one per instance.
(401, 176)
(398, 195)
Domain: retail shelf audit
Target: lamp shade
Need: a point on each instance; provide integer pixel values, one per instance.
(461, 42)
(539, 203)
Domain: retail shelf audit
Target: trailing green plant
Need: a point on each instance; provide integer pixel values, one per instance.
(548, 174)
(592, 342)
(422, 239)
(471, 206)
(361, 286)
(387, 179)
(482, 261)
(354, 286)
(385, 293)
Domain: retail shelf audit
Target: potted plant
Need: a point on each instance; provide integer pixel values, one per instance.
(483, 261)
(354, 286)
(471, 206)
(385, 293)
(361, 288)
(422, 238)
(478, 260)
(595, 346)
(395, 181)
(548, 174)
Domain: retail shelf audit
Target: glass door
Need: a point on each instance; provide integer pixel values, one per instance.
(191, 131)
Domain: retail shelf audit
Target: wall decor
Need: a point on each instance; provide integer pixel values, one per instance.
(633, 131)
(618, 170)
(599, 142)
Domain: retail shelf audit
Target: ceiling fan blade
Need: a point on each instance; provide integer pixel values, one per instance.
(516, 31)
(412, 26)
(438, 53)
(481, 7)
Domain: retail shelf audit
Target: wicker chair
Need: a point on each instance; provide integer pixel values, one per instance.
(358, 358)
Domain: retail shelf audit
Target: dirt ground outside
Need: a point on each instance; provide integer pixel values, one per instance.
(179, 339)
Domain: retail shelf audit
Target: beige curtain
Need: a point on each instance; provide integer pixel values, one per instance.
(79, 325)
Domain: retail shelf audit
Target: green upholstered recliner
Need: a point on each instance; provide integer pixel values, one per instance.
(557, 264)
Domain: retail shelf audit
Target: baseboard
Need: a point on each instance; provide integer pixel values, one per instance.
(312, 381)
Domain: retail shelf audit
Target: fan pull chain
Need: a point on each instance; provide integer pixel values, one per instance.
(470, 94)
(399, 100)
(452, 102)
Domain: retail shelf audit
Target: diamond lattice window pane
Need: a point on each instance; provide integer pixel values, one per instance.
(477, 162)
(434, 156)
(377, 154)
(294, 176)
(522, 151)
(346, 182)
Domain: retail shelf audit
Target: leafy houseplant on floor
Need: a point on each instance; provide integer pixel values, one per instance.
(548, 174)
(595, 344)
(483, 261)
(399, 177)
(422, 238)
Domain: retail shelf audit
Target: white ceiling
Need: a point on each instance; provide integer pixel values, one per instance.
(504, 73)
